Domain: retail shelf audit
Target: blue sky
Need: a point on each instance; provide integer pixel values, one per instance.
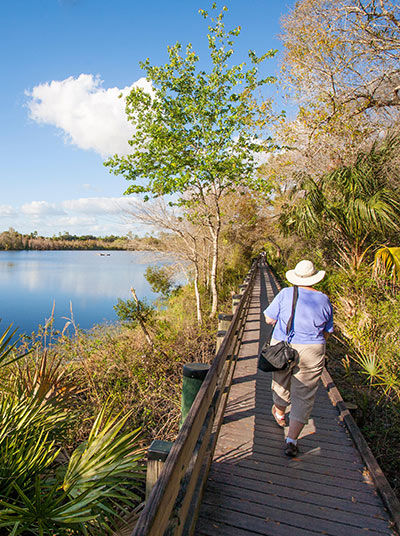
(63, 63)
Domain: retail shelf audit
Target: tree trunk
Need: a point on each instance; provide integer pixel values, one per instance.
(214, 267)
(197, 294)
(141, 322)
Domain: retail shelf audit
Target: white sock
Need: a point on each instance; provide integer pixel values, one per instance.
(290, 440)
(278, 416)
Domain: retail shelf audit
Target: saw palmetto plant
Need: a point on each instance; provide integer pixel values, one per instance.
(44, 493)
(45, 490)
(7, 354)
(348, 210)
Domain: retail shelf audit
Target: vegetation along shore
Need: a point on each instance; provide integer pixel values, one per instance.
(12, 240)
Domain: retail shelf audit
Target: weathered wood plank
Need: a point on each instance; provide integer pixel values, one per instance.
(232, 494)
(329, 437)
(335, 502)
(207, 528)
(334, 434)
(305, 520)
(307, 443)
(275, 458)
(270, 452)
(266, 526)
(297, 466)
(300, 480)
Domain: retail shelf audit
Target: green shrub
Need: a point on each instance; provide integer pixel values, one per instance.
(130, 313)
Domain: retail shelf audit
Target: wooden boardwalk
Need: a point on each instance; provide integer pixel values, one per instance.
(253, 488)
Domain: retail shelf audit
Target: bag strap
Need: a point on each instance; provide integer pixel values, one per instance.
(295, 297)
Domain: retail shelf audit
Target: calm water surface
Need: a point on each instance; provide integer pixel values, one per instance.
(30, 281)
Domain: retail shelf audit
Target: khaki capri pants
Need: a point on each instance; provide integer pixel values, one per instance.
(298, 386)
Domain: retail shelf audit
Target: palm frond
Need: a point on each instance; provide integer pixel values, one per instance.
(387, 260)
(89, 496)
(6, 347)
(28, 433)
(104, 459)
(370, 365)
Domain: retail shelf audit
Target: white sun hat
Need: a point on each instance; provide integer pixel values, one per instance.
(305, 274)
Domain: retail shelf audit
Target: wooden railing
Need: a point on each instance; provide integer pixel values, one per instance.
(173, 504)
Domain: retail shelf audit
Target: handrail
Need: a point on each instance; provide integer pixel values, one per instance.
(178, 490)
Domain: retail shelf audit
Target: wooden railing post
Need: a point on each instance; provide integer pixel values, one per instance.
(193, 376)
(242, 288)
(156, 456)
(235, 302)
(224, 321)
(220, 337)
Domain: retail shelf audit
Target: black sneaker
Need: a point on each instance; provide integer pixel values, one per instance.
(291, 450)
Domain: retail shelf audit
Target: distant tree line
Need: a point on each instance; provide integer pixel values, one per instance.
(12, 240)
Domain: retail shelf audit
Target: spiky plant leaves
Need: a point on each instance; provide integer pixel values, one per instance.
(46, 378)
(387, 260)
(347, 210)
(88, 496)
(105, 460)
(48, 511)
(370, 365)
(29, 432)
(6, 348)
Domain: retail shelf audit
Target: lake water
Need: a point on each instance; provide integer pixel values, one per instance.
(30, 281)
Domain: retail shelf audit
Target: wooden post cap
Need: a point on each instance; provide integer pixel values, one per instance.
(223, 316)
(196, 371)
(351, 406)
(159, 450)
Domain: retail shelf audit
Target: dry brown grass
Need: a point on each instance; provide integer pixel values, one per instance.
(115, 362)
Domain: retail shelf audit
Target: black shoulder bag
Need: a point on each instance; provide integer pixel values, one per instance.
(280, 356)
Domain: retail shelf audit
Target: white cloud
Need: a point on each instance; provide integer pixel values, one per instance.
(74, 221)
(40, 209)
(90, 116)
(93, 215)
(6, 211)
(99, 205)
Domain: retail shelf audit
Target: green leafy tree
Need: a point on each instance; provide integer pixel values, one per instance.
(160, 280)
(132, 312)
(196, 134)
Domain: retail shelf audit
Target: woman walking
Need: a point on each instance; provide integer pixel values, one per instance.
(313, 321)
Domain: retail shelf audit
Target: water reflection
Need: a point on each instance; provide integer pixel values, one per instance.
(31, 281)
